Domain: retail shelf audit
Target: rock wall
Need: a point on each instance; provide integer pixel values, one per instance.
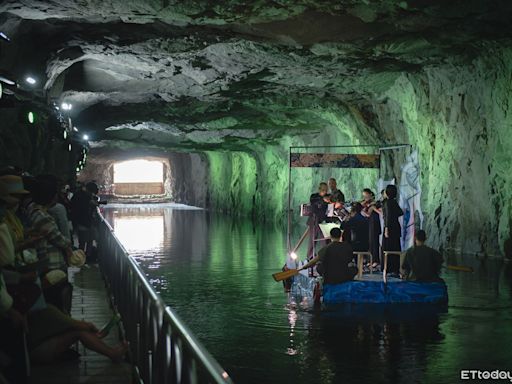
(460, 119)
(457, 115)
(188, 178)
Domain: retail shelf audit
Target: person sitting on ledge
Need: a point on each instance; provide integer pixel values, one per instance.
(334, 260)
(422, 263)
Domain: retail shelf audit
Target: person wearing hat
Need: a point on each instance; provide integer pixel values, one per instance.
(15, 188)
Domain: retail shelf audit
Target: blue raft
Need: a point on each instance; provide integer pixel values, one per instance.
(372, 290)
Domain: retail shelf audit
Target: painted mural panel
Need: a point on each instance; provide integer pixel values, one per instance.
(334, 160)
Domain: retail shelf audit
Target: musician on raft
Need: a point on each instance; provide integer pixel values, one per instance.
(362, 229)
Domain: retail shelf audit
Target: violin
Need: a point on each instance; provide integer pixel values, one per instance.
(366, 206)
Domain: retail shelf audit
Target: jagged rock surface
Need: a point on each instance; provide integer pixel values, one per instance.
(223, 89)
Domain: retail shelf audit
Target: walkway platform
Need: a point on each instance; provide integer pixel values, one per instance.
(90, 303)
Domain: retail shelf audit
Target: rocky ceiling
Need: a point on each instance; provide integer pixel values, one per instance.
(205, 74)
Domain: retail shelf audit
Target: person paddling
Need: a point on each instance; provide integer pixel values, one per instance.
(335, 259)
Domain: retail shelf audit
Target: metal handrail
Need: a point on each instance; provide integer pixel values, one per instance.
(162, 347)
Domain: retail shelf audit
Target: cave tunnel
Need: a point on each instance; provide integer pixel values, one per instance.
(200, 131)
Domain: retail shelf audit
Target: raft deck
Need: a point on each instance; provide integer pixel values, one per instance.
(371, 289)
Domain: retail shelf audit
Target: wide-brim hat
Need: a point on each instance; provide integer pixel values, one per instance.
(77, 259)
(14, 184)
(5, 196)
(55, 277)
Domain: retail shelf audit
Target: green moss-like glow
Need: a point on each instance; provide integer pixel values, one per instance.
(232, 181)
(458, 119)
(456, 116)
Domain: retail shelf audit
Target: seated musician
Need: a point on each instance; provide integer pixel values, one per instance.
(334, 260)
(422, 263)
(358, 229)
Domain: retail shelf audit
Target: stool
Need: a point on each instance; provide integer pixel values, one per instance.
(385, 270)
(360, 260)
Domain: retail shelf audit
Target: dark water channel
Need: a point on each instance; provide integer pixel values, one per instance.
(215, 272)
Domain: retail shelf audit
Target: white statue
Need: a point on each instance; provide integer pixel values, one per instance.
(410, 198)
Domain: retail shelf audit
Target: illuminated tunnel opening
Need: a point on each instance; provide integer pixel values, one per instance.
(139, 178)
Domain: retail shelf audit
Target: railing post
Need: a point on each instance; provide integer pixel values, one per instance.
(137, 357)
(150, 367)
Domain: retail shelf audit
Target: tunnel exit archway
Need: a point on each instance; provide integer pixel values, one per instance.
(138, 178)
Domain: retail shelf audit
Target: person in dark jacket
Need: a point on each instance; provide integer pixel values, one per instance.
(371, 210)
(357, 228)
(337, 197)
(392, 230)
(422, 263)
(318, 202)
(334, 260)
(83, 210)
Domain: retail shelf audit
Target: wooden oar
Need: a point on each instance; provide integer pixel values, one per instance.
(461, 268)
(280, 276)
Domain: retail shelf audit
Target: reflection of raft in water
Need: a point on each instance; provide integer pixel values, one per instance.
(370, 289)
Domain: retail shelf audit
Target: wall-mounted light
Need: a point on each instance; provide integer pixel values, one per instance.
(65, 135)
(31, 80)
(69, 148)
(85, 137)
(3, 36)
(31, 117)
(75, 129)
(66, 106)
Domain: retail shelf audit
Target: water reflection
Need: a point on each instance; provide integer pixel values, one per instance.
(139, 233)
(215, 272)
